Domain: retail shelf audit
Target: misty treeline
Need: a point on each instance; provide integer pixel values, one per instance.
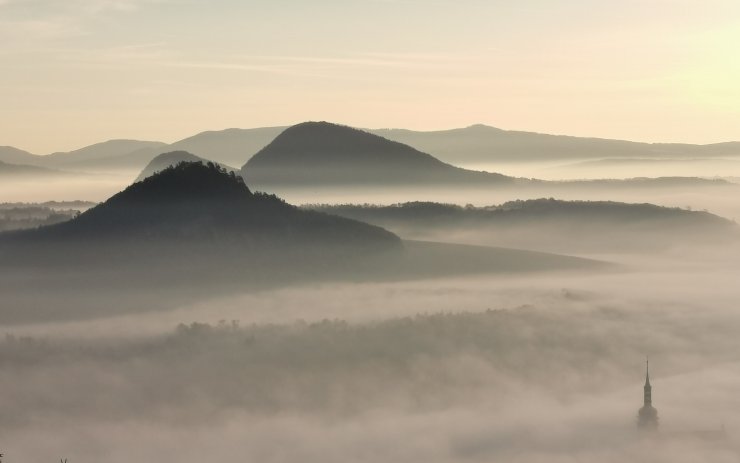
(419, 363)
(510, 211)
(17, 217)
(548, 224)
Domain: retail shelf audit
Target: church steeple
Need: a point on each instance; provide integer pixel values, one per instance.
(647, 416)
(648, 389)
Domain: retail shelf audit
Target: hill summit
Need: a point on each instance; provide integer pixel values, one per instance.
(173, 158)
(323, 153)
(204, 203)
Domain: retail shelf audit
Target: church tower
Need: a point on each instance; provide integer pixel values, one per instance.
(647, 416)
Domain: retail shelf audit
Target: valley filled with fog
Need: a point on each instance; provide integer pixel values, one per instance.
(507, 368)
(162, 309)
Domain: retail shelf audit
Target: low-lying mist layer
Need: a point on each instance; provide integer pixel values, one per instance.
(400, 371)
(555, 383)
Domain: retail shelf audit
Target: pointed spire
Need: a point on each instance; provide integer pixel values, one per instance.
(647, 371)
(647, 415)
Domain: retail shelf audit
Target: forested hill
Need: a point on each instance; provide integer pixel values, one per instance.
(573, 227)
(204, 203)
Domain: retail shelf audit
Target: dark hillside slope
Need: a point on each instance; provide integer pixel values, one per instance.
(204, 203)
(190, 232)
(194, 232)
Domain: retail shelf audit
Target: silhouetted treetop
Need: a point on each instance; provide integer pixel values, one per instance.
(172, 158)
(187, 180)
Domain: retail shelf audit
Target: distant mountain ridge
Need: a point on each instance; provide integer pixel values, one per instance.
(227, 147)
(111, 154)
(481, 143)
(477, 144)
(322, 153)
(98, 151)
(11, 155)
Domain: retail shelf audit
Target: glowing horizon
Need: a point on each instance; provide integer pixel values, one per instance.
(87, 71)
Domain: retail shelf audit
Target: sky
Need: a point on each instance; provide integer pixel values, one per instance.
(76, 72)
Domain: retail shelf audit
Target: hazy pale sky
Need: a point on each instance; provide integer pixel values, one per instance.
(74, 72)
